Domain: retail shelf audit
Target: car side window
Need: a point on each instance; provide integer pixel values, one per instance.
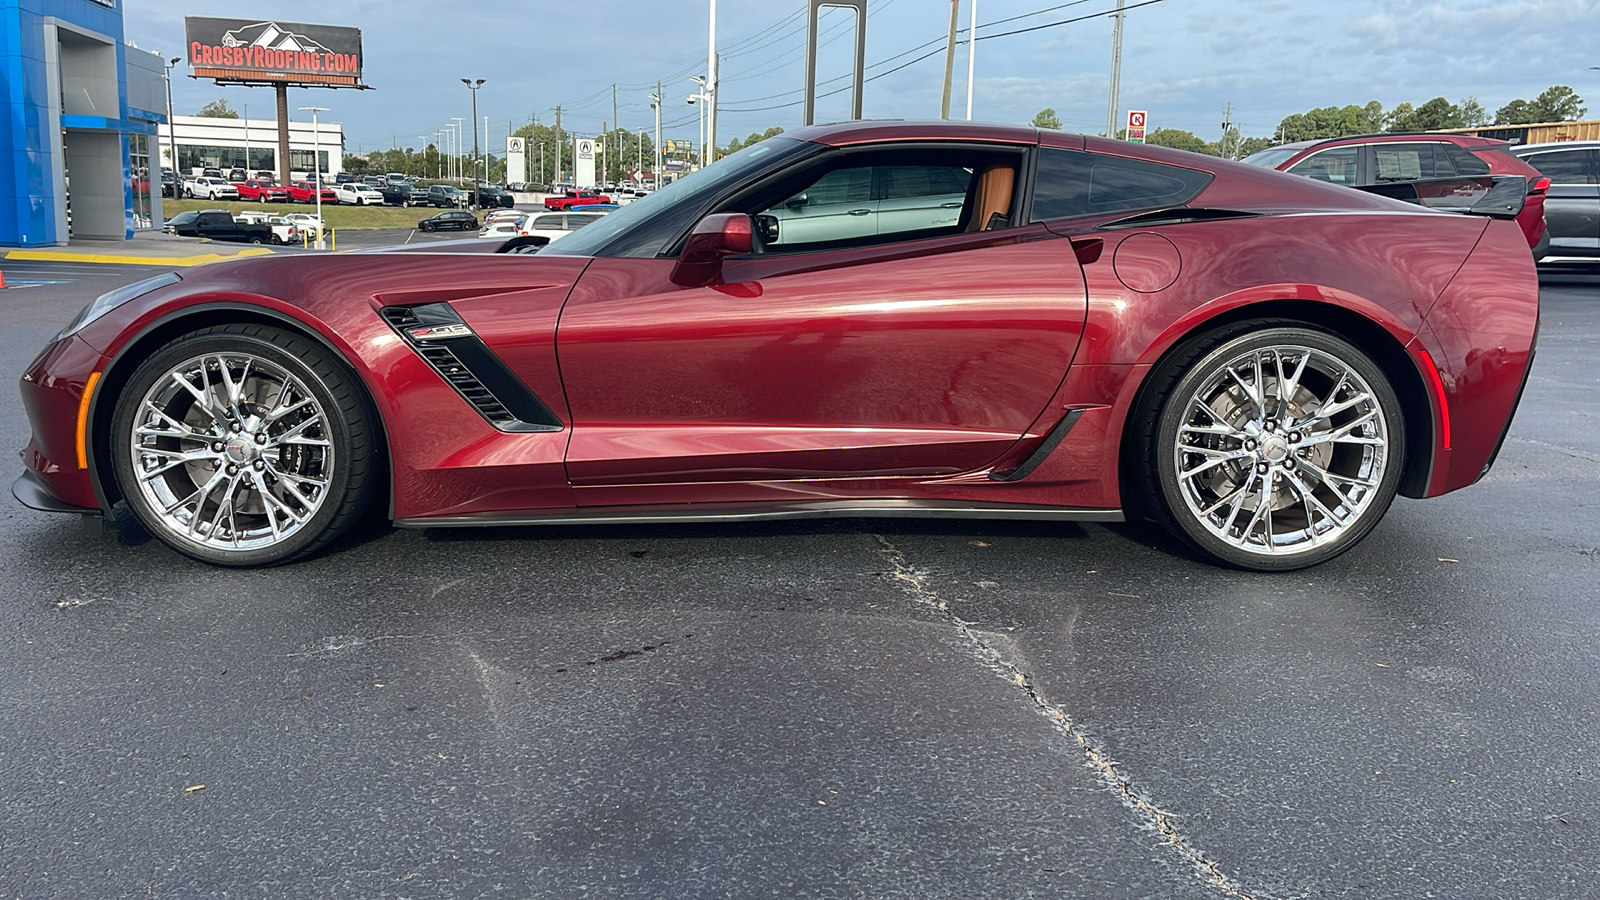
(1336, 165)
(869, 204)
(1565, 166)
(1073, 183)
(1406, 162)
(839, 186)
(1466, 162)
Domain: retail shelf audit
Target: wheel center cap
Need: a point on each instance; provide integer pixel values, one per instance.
(241, 448)
(1274, 448)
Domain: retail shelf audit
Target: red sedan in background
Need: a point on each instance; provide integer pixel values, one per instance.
(262, 191)
(866, 319)
(306, 192)
(1378, 159)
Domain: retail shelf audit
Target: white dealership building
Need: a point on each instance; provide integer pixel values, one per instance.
(249, 144)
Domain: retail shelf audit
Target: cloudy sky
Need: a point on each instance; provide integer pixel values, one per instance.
(1183, 60)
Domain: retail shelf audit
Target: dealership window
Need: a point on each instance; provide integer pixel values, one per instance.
(194, 157)
(139, 164)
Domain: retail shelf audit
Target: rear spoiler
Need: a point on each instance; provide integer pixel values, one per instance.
(1496, 196)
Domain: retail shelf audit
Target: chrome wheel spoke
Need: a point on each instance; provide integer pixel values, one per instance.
(1249, 471)
(208, 464)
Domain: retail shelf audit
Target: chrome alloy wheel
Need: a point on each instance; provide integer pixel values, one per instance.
(1281, 450)
(231, 452)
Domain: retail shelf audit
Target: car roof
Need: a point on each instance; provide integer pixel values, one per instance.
(1554, 145)
(866, 131)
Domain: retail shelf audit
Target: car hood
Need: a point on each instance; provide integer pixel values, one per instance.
(338, 294)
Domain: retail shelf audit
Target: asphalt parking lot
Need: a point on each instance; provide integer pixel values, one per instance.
(840, 709)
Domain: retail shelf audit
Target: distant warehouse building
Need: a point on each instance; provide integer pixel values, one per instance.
(1538, 133)
(250, 144)
(81, 105)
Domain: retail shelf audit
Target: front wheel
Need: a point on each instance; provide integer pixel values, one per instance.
(244, 445)
(1272, 448)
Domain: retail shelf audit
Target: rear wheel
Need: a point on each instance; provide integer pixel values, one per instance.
(244, 445)
(1271, 447)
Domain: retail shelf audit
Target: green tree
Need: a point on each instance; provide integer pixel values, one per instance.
(1559, 103)
(218, 109)
(1472, 113)
(1177, 139)
(1252, 145)
(1046, 118)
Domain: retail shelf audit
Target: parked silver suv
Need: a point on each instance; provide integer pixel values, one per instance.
(1572, 206)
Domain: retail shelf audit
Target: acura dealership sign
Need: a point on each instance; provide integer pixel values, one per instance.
(242, 50)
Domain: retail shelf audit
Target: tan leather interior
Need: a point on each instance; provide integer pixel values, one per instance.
(994, 195)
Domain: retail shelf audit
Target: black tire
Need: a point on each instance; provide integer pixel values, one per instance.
(346, 423)
(1270, 450)
(256, 239)
(424, 226)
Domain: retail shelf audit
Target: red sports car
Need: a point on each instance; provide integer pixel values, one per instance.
(868, 319)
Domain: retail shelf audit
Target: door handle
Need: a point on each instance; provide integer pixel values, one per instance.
(955, 205)
(858, 212)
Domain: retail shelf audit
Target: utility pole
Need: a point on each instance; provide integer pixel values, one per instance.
(1116, 71)
(316, 163)
(710, 150)
(558, 145)
(949, 60)
(617, 126)
(972, 51)
(1227, 125)
(655, 103)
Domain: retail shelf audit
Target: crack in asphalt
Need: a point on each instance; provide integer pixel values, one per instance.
(915, 583)
(1555, 448)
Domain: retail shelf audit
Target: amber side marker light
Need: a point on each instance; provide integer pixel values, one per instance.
(83, 419)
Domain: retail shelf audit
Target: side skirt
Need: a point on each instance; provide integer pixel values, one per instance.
(747, 512)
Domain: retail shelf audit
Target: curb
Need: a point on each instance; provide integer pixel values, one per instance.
(126, 260)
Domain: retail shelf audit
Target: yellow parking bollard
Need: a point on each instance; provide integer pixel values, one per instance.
(333, 239)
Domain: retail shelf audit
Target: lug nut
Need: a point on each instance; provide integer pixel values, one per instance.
(261, 438)
(1269, 425)
(1249, 445)
(1294, 437)
(1263, 467)
(260, 464)
(233, 469)
(235, 427)
(217, 447)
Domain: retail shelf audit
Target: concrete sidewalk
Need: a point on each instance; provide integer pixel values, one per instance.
(146, 248)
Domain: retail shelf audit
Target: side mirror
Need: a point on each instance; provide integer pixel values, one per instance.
(715, 237)
(797, 201)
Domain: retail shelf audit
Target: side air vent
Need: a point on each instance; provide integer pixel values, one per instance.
(467, 364)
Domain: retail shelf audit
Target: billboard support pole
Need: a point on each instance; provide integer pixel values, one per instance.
(283, 133)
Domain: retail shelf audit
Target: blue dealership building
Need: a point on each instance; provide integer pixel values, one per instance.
(79, 125)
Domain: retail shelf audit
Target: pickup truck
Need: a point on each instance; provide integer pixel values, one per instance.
(261, 189)
(575, 198)
(219, 225)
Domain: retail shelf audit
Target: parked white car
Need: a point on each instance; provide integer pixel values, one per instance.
(283, 230)
(358, 194)
(502, 230)
(553, 226)
(209, 188)
(310, 223)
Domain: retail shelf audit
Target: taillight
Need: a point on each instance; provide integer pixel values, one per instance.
(1538, 186)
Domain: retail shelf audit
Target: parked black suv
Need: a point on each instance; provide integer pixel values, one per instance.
(491, 197)
(458, 219)
(219, 225)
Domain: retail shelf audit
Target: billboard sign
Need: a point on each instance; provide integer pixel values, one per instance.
(242, 50)
(516, 158)
(583, 175)
(1136, 125)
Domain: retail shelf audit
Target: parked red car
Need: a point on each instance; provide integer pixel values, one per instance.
(306, 192)
(864, 319)
(262, 191)
(1375, 159)
(575, 198)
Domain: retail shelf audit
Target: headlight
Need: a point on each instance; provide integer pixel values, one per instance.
(110, 300)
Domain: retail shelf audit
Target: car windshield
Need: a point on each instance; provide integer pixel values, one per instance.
(1271, 158)
(645, 226)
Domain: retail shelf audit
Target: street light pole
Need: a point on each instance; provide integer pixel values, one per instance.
(701, 98)
(172, 131)
(456, 171)
(316, 163)
(473, 87)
